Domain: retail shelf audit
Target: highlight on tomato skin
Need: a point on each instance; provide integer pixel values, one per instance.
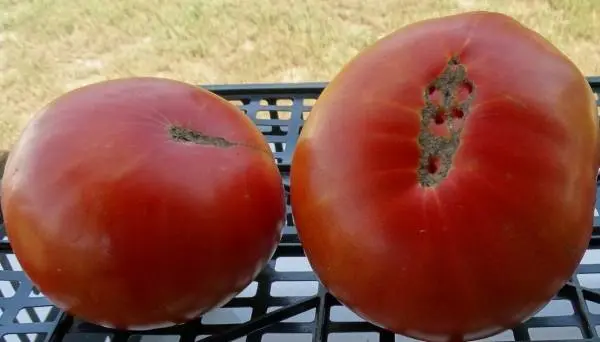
(464, 199)
(140, 203)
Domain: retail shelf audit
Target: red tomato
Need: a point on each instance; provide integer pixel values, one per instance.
(444, 184)
(142, 202)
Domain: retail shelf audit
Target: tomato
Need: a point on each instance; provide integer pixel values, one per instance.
(142, 202)
(443, 186)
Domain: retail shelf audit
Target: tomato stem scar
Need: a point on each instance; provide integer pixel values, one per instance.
(181, 134)
(456, 92)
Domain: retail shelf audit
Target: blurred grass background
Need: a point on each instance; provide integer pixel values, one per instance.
(48, 47)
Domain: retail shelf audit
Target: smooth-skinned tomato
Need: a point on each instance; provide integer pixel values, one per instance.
(142, 202)
(443, 186)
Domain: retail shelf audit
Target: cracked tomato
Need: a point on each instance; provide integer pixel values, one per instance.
(444, 184)
(142, 202)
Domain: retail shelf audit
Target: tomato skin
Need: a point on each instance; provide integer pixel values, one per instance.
(493, 242)
(123, 226)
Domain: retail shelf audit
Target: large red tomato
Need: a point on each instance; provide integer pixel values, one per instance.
(444, 184)
(142, 202)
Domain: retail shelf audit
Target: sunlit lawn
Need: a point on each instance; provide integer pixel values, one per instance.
(48, 47)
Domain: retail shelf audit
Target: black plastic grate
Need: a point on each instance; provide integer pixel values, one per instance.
(285, 302)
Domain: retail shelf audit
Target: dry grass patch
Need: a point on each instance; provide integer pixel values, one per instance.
(48, 47)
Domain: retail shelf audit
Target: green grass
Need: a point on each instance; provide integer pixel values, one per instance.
(48, 47)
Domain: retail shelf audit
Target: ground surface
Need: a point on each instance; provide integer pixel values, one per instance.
(48, 47)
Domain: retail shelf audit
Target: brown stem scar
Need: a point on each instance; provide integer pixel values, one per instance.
(181, 134)
(448, 99)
